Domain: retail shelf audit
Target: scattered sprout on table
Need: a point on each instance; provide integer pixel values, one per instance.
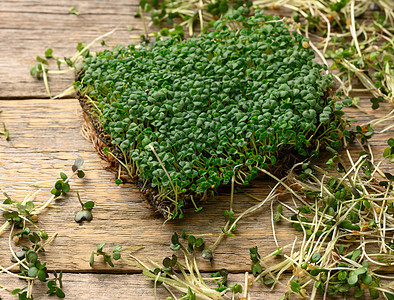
(179, 273)
(345, 219)
(85, 214)
(5, 132)
(115, 254)
(73, 11)
(23, 219)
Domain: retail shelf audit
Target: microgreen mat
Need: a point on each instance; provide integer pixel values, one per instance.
(185, 115)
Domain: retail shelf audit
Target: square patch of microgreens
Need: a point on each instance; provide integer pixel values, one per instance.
(182, 114)
(22, 217)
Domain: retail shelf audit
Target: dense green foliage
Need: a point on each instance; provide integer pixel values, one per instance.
(241, 95)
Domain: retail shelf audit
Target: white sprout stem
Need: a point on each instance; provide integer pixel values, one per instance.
(67, 92)
(79, 53)
(375, 122)
(353, 27)
(44, 76)
(201, 5)
(4, 226)
(281, 181)
(165, 171)
(94, 104)
(365, 80)
(270, 196)
(170, 291)
(383, 214)
(69, 70)
(386, 129)
(13, 274)
(12, 251)
(328, 32)
(374, 261)
(246, 285)
(155, 285)
(4, 288)
(47, 203)
(30, 283)
(354, 165)
(273, 225)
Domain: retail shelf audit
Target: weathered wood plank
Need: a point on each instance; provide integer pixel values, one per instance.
(97, 7)
(135, 286)
(28, 28)
(131, 286)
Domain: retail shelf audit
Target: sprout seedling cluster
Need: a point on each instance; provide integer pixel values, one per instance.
(183, 114)
(22, 218)
(189, 13)
(345, 219)
(179, 273)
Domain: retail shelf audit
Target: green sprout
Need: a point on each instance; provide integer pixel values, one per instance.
(115, 254)
(62, 186)
(5, 132)
(85, 214)
(73, 11)
(388, 152)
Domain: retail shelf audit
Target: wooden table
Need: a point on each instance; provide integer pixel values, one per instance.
(45, 139)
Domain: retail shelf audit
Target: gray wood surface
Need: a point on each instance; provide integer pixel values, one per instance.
(126, 286)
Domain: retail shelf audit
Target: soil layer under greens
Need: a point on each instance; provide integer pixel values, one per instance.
(211, 107)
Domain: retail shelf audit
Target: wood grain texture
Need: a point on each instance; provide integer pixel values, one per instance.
(135, 286)
(130, 286)
(28, 28)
